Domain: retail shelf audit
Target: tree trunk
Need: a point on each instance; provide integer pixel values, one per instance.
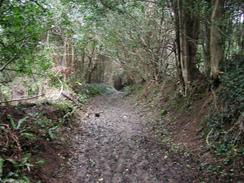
(206, 38)
(188, 36)
(64, 63)
(216, 50)
(72, 56)
(174, 4)
(89, 70)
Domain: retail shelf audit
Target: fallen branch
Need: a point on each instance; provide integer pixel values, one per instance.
(207, 138)
(16, 70)
(69, 98)
(23, 99)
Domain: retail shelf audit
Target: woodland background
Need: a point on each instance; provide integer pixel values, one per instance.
(195, 48)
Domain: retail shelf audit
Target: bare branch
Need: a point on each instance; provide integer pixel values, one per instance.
(9, 62)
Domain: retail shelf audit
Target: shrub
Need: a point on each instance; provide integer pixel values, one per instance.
(91, 90)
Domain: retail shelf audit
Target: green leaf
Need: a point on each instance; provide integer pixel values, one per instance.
(51, 132)
(1, 166)
(21, 121)
(25, 180)
(12, 123)
(40, 162)
(15, 163)
(29, 136)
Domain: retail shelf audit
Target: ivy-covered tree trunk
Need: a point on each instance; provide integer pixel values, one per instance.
(216, 47)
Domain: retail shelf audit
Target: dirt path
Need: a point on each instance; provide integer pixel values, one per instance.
(115, 147)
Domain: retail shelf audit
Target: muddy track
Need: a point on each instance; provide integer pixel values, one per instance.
(113, 146)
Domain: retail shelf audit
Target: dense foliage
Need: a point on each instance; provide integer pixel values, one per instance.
(226, 118)
(22, 24)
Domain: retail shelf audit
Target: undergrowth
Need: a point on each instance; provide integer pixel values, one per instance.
(90, 90)
(132, 89)
(224, 125)
(24, 130)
